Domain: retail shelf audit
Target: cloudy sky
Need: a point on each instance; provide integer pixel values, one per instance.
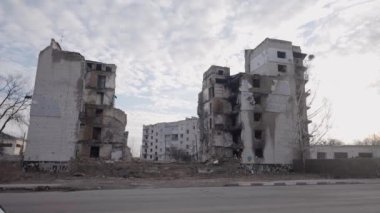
(162, 48)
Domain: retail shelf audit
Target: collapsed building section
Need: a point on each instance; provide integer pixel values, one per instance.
(72, 113)
(259, 116)
(171, 141)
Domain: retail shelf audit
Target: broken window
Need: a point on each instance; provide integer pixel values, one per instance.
(187, 146)
(101, 81)
(151, 150)
(156, 147)
(281, 54)
(187, 131)
(98, 67)
(340, 155)
(156, 140)
(99, 112)
(100, 98)
(150, 156)
(259, 153)
(281, 68)
(94, 152)
(256, 83)
(258, 134)
(365, 155)
(144, 156)
(156, 158)
(321, 155)
(108, 69)
(220, 72)
(96, 133)
(256, 116)
(145, 150)
(210, 123)
(211, 92)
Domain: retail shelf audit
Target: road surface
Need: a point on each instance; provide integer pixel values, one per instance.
(283, 199)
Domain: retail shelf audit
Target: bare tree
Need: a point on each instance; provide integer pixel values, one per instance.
(320, 126)
(14, 100)
(373, 140)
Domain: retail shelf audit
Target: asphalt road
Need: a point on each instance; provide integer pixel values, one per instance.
(285, 199)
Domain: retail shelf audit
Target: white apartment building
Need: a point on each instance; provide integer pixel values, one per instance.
(171, 141)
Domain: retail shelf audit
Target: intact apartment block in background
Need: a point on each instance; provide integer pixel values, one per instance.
(259, 116)
(171, 141)
(72, 113)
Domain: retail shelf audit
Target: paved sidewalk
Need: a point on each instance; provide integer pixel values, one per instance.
(305, 182)
(79, 186)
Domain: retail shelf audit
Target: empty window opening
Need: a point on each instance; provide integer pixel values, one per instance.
(220, 81)
(220, 72)
(365, 155)
(258, 134)
(156, 158)
(99, 67)
(99, 112)
(96, 133)
(259, 153)
(89, 66)
(181, 135)
(187, 146)
(101, 81)
(175, 137)
(257, 99)
(210, 123)
(340, 155)
(256, 83)
(321, 155)
(144, 156)
(256, 116)
(100, 97)
(187, 131)
(94, 152)
(281, 68)
(281, 54)
(150, 156)
(108, 69)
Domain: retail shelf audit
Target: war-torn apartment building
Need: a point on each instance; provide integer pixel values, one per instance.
(72, 113)
(258, 116)
(171, 141)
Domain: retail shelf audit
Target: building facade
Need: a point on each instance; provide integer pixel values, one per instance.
(259, 116)
(344, 151)
(72, 112)
(171, 141)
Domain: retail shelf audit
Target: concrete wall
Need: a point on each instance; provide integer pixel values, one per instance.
(157, 138)
(342, 168)
(54, 124)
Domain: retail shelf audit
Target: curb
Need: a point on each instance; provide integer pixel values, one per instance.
(291, 183)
